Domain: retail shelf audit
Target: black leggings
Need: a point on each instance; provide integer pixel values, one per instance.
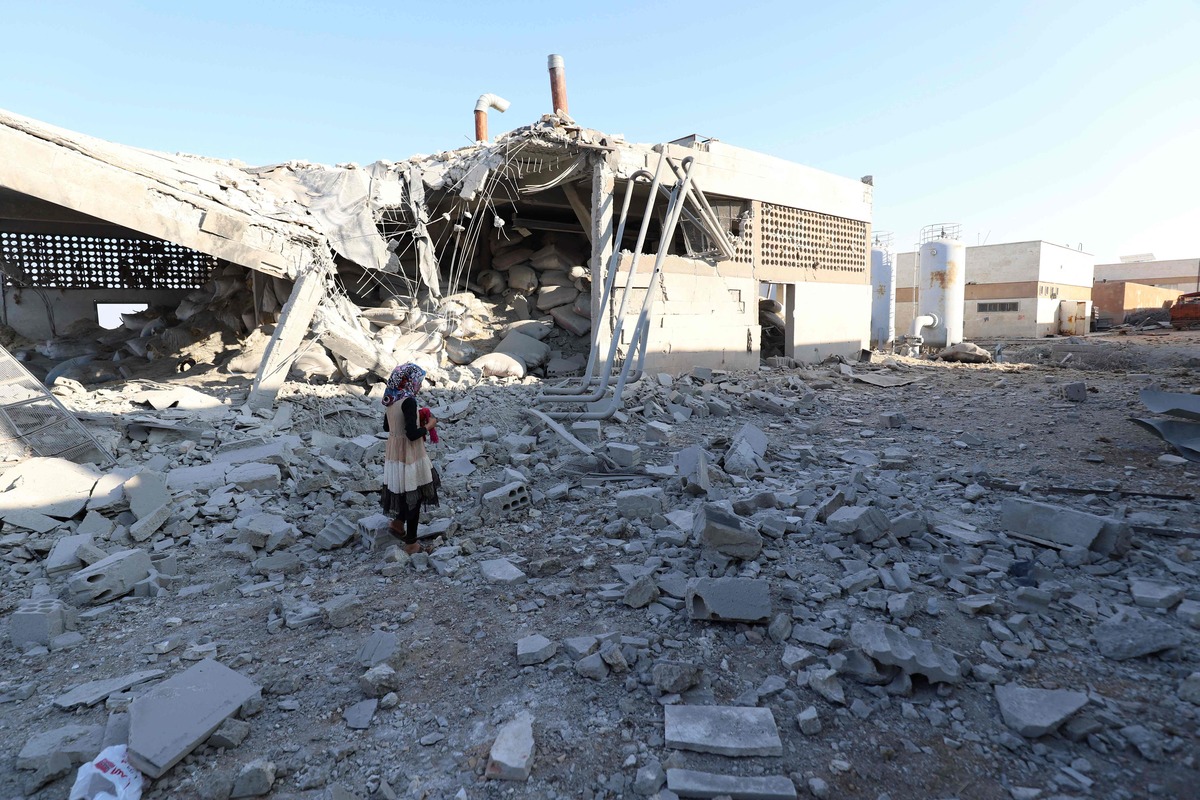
(410, 520)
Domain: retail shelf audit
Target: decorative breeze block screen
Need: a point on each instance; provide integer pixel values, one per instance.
(55, 261)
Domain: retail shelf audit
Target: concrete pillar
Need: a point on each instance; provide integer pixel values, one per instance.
(283, 348)
(789, 319)
(603, 229)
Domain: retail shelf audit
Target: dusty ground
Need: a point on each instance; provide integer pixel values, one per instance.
(1005, 422)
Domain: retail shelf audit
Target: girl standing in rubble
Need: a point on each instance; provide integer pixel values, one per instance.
(409, 478)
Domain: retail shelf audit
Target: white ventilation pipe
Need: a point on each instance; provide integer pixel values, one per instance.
(921, 322)
(482, 105)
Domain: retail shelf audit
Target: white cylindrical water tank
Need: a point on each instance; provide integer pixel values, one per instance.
(883, 297)
(942, 290)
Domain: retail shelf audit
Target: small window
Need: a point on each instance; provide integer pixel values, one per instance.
(987, 308)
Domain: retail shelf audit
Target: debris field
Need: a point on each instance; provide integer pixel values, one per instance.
(785, 583)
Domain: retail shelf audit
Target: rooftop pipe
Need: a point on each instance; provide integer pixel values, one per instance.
(558, 84)
(485, 102)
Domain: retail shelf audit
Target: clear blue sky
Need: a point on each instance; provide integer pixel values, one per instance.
(1074, 122)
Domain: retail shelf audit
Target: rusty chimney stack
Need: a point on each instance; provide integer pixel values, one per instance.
(482, 105)
(558, 84)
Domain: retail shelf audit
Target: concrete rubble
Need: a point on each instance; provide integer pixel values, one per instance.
(795, 598)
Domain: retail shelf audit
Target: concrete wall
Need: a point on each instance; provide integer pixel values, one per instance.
(699, 317)
(731, 171)
(28, 317)
(1116, 299)
(1065, 267)
(827, 320)
(1182, 274)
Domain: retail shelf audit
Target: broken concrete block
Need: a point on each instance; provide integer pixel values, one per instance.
(230, 734)
(1036, 712)
(1065, 526)
(641, 593)
(110, 578)
(38, 621)
(147, 492)
(674, 677)
(729, 599)
(148, 525)
(592, 666)
(586, 431)
(169, 720)
(723, 532)
(358, 716)
(254, 780)
(1127, 635)
(204, 477)
(692, 783)
(691, 464)
(254, 477)
(379, 647)
(79, 743)
(63, 557)
(889, 645)
(342, 610)
(501, 570)
(825, 683)
(511, 756)
(771, 403)
(96, 526)
(1150, 593)
(535, 649)
(287, 563)
(507, 499)
(378, 680)
(1074, 392)
(866, 523)
(640, 503)
(809, 721)
(625, 455)
(723, 730)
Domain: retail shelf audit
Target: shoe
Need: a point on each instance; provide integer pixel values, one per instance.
(412, 549)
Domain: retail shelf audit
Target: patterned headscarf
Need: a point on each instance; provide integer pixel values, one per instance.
(405, 383)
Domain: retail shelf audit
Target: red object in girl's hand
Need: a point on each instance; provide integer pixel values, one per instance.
(423, 417)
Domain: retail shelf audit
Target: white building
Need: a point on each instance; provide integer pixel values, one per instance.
(1019, 289)
(1181, 274)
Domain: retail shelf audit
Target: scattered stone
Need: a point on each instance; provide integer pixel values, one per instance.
(1126, 635)
(230, 734)
(1150, 593)
(718, 530)
(825, 683)
(809, 721)
(641, 593)
(675, 677)
(1065, 526)
(729, 599)
(535, 649)
(358, 716)
(1036, 712)
(887, 644)
(254, 780)
(502, 571)
(511, 757)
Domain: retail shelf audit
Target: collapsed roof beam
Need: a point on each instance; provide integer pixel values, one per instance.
(56, 173)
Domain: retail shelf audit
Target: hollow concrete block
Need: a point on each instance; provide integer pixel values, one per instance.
(109, 578)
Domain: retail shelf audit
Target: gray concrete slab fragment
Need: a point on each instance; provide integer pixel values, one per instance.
(79, 742)
(692, 783)
(729, 599)
(723, 730)
(1035, 712)
(92, 692)
(511, 757)
(169, 720)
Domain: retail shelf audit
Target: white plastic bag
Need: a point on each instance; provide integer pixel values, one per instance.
(109, 776)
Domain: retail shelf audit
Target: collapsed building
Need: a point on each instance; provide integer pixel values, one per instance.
(349, 270)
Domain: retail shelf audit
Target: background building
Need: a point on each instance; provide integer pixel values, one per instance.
(1182, 274)
(1019, 289)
